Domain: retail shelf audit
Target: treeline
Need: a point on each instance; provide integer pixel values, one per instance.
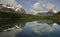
(8, 15)
(56, 17)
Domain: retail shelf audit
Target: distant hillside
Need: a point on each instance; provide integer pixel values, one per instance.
(45, 13)
(7, 11)
(56, 17)
(10, 13)
(8, 8)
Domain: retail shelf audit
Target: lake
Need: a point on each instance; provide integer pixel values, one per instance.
(40, 28)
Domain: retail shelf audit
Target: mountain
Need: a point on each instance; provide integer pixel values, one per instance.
(8, 8)
(45, 13)
(8, 11)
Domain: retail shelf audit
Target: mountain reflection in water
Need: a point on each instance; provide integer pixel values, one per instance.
(42, 28)
(9, 27)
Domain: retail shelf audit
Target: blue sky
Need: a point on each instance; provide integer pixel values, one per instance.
(28, 4)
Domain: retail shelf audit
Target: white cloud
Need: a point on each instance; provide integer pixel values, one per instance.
(9, 2)
(49, 6)
(42, 5)
(36, 5)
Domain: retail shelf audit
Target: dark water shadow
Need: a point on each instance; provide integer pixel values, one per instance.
(9, 23)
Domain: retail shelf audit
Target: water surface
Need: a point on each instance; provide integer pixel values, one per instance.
(41, 28)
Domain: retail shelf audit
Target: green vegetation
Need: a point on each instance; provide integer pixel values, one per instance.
(56, 17)
(9, 19)
(27, 17)
(17, 15)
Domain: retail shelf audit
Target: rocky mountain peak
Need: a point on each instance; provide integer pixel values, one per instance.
(8, 8)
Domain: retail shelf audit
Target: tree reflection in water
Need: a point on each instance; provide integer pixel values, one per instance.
(25, 28)
(40, 29)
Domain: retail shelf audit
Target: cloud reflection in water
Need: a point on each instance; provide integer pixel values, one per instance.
(34, 29)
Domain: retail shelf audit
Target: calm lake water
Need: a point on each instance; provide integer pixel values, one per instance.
(42, 28)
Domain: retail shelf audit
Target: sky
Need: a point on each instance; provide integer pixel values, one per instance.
(9, 2)
(42, 5)
(32, 6)
(27, 4)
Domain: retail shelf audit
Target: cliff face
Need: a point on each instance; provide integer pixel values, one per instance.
(8, 8)
(7, 11)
